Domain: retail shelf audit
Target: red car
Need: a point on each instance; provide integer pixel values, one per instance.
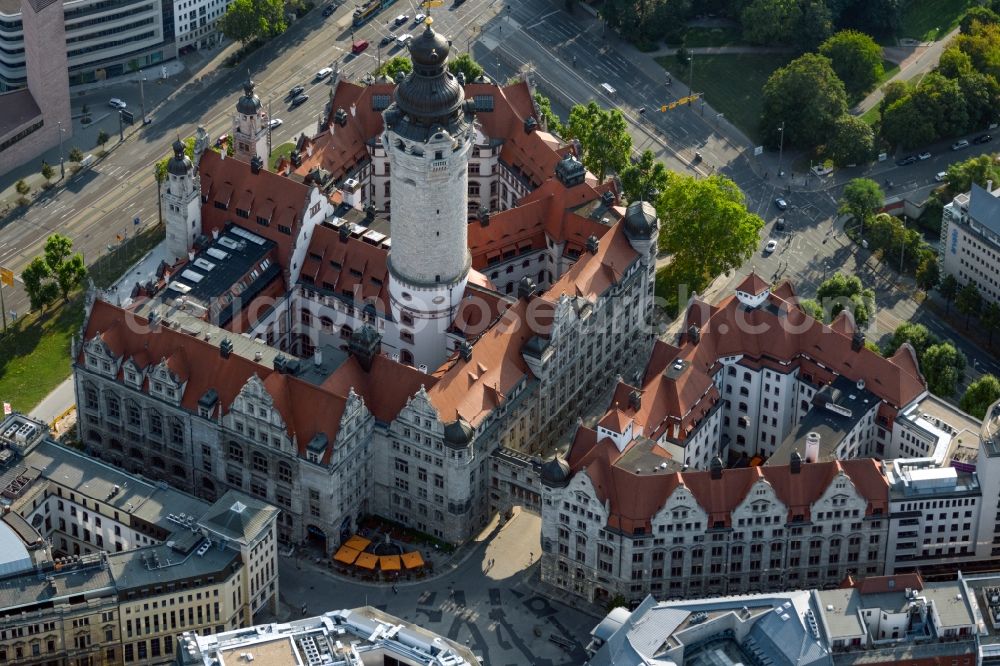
(359, 46)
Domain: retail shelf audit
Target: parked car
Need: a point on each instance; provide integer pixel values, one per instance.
(403, 40)
(419, 18)
(771, 246)
(296, 91)
(388, 39)
(906, 161)
(780, 224)
(940, 176)
(781, 203)
(960, 144)
(329, 9)
(926, 155)
(982, 138)
(323, 73)
(300, 100)
(116, 103)
(275, 123)
(401, 19)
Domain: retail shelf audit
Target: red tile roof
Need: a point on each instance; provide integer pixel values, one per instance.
(882, 584)
(385, 388)
(593, 274)
(349, 267)
(270, 196)
(753, 284)
(615, 420)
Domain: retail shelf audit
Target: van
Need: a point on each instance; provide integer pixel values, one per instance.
(403, 40)
(359, 46)
(606, 87)
(323, 73)
(960, 144)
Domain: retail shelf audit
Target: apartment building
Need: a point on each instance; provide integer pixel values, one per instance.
(970, 240)
(112, 568)
(345, 637)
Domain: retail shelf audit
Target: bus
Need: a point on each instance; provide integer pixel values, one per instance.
(365, 12)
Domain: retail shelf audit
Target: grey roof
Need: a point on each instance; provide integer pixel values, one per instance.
(19, 108)
(160, 564)
(249, 103)
(458, 432)
(640, 220)
(32, 588)
(238, 517)
(839, 609)
(984, 208)
(555, 470)
(96, 480)
(951, 603)
(782, 632)
(179, 164)
(14, 555)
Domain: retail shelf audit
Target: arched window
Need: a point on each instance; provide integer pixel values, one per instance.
(260, 462)
(326, 323)
(208, 484)
(179, 471)
(284, 472)
(346, 331)
(94, 437)
(158, 462)
(406, 357)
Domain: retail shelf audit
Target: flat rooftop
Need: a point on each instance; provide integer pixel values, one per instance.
(963, 428)
(278, 652)
(649, 457)
(162, 564)
(19, 107)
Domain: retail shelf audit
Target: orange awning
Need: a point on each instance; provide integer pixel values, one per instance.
(389, 562)
(347, 555)
(412, 560)
(367, 561)
(358, 542)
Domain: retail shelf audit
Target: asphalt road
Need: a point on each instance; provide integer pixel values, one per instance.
(100, 204)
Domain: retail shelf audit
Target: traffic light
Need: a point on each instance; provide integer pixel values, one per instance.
(127, 117)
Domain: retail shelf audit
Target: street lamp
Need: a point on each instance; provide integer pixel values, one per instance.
(62, 165)
(781, 147)
(142, 97)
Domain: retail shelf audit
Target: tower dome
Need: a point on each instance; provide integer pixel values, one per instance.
(430, 96)
(458, 433)
(555, 471)
(249, 104)
(179, 164)
(640, 220)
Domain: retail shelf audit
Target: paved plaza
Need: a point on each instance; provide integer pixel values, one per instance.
(500, 611)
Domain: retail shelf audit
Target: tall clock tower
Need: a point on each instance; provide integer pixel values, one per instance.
(249, 126)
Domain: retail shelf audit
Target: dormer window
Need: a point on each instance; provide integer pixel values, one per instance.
(131, 376)
(105, 366)
(158, 387)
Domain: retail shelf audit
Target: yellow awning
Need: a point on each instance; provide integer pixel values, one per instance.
(358, 542)
(347, 555)
(367, 561)
(389, 562)
(412, 560)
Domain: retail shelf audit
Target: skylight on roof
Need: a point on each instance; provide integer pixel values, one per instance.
(243, 233)
(216, 253)
(189, 274)
(204, 264)
(238, 507)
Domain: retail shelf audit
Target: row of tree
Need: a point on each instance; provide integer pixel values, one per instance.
(55, 273)
(838, 293)
(800, 23)
(462, 64)
(960, 96)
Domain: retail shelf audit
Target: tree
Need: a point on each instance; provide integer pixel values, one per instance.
(393, 67)
(706, 227)
(841, 292)
(861, 198)
(811, 24)
(40, 290)
(942, 366)
(603, 136)
(948, 288)
(969, 301)
(981, 15)
(919, 337)
(981, 393)
(807, 97)
(812, 308)
(75, 155)
(22, 187)
(465, 65)
(102, 138)
(980, 169)
(644, 178)
(769, 21)
(856, 59)
(990, 319)
(47, 171)
(928, 273)
(247, 20)
(550, 121)
(853, 141)
(936, 108)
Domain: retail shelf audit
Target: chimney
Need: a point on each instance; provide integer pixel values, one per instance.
(225, 348)
(318, 357)
(861, 384)
(796, 463)
(857, 340)
(715, 467)
(635, 400)
(340, 117)
(345, 233)
(256, 164)
(465, 351)
(592, 244)
(484, 216)
(215, 234)
(608, 198)
(370, 211)
(694, 334)
(222, 153)
(812, 447)
(280, 364)
(190, 255)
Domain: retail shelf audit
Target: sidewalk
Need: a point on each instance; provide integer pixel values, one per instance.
(58, 409)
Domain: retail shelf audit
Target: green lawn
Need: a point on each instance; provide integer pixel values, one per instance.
(284, 150)
(34, 355)
(731, 84)
(930, 20)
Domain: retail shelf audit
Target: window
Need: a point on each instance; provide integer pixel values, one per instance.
(284, 472)
(235, 452)
(259, 462)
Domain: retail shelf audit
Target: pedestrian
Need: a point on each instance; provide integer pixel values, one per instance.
(394, 590)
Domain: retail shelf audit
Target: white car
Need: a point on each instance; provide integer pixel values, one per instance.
(419, 18)
(275, 123)
(771, 246)
(926, 155)
(401, 19)
(116, 103)
(941, 175)
(323, 73)
(404, 39)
